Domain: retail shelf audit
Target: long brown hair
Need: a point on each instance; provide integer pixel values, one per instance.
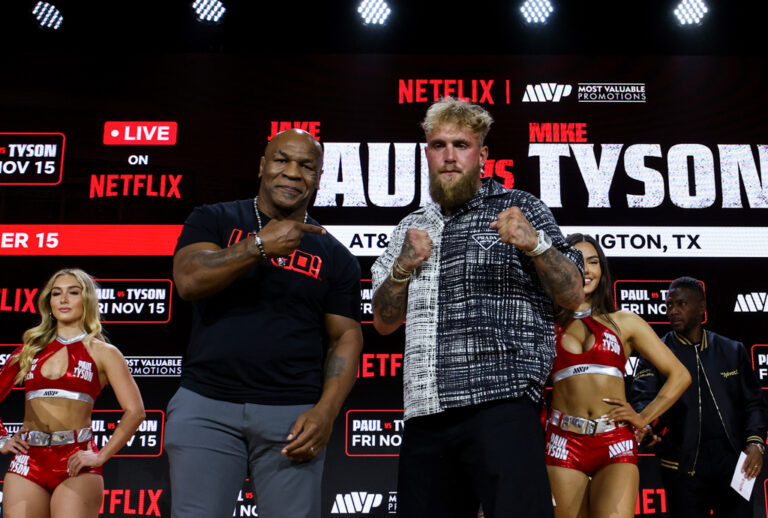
(37, 338)
(601, 298)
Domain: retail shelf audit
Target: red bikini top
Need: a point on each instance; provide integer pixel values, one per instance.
(80, 381)
(605, 357)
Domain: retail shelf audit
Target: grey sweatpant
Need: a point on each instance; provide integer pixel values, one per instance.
(214, 445)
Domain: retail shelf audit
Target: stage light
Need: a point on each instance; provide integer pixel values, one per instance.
(47, 15)
(690, 12)
(209, 11)
(536, 11)
(373, 11)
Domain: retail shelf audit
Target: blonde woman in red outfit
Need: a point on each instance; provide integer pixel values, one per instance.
(591, 450)
(64, 363)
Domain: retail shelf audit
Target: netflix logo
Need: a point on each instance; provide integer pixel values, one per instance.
(18, 300)
(134, 133)
(122, 502)
(144, 185)
(380, 365)
(431, 90)
(651, 501)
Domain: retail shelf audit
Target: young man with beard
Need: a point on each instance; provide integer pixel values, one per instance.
(720, 415)
(474, 275)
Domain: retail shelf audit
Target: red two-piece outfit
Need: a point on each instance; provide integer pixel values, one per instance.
(579, 443)
(47, 465)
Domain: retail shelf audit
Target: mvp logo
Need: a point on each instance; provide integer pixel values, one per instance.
(755, 302)
(621, 449)
(546, 92)
(356, 502)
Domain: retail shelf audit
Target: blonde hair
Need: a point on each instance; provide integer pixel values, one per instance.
(37, 338)
(460, 113)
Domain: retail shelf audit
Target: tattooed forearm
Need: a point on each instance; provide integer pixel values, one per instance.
(203, 269)
(390, 302)
(334, 366)
(218, 258)
(561, 278)
(215, 259)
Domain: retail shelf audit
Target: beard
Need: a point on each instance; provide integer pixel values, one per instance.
(452, 196)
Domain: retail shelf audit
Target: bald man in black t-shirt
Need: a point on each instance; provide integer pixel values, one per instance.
(274, 345)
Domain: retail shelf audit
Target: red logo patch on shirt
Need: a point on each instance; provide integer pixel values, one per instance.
(298, 261)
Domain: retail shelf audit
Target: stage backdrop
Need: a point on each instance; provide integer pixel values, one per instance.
(663, 159)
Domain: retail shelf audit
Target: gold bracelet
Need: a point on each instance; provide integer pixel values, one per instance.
(400, 269)
(395, 279)
(404, 274)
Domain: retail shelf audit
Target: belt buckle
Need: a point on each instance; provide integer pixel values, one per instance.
(62, 437)
(580, 425)
(573, 424)
(37, 438)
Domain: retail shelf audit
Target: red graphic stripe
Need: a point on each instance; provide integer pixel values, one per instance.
(88, 239)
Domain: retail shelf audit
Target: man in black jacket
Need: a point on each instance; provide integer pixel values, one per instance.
(718, 416)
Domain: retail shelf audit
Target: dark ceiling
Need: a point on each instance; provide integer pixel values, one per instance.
(434, 27)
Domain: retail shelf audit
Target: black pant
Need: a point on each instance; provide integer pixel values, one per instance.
(709, 488)
(492, 454)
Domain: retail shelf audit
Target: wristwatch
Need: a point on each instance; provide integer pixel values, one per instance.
(545, 242)
(760, 446)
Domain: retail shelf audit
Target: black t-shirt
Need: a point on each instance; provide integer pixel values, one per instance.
(262, 339)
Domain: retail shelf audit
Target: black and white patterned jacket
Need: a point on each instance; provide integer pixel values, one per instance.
(479, 326)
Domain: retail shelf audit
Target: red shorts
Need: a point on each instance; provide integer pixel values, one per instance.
(46, 466)
(590, 453)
